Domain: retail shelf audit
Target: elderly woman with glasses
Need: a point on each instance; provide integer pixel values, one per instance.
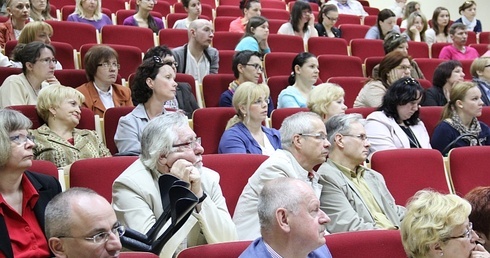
(479, 198)
(169, 146)
(38, 65)
(437, 225)
(245, 132)
(58, 140)
(153, 85)
(326, 100)
(102, 92)
(23, 194)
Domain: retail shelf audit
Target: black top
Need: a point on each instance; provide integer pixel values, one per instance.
(434, 96)
(322, 32)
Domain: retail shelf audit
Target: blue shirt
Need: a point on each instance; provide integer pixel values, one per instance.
(238, 139)
(257, 249)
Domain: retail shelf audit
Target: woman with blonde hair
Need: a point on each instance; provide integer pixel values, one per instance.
(90, 12)
(327, 100)
(437, 225)
(245, 132)
(58, 140)
(416, 27)
(40, 10)
(459, 124)
(480, 70)
(143, 18)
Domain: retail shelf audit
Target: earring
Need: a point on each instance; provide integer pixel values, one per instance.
(441, 254)
(244, 114)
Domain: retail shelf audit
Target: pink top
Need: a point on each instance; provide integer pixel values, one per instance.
(452, 53)
(237, 26)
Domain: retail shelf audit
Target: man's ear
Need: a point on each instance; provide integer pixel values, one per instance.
(56, 246)
(338, 140)
(283, 220)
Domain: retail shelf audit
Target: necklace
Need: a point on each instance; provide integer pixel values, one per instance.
(32, 87)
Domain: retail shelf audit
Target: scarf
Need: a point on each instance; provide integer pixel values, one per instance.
(470, 25)
(233, 86)
(474, 129)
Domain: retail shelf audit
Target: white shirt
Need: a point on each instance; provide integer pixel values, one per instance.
(197, 68)
(105, 97)
(354, 8)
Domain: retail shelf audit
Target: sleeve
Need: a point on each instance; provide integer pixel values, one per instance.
(416, 72)
(372, 33)
(127, 136)
(430, 37)
(429, 98)
(445, 54)
(13, 92)
(231, 142)
(287, 101)
(478, 27)
(71, 17)
(247, 43)
(159, 23)
(128, 21)
(284, 29)
(441, 137)
(374, 94)
(4, 61)
(103, 150)
(3, 36)
(214, 66)
(379, 135)
(225, 100)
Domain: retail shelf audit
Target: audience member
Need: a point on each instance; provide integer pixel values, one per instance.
(250, 8)
(80, 223)
(58, 140)
(352, 7)
(458, 50)
(396, 124)
(247, 67)
(416, 27)
(23, 194)
(153, 85)
(326, 100)
(255, 37)
(291, 222)
(38, 64)
(437, 225)
(395, 41)
(184, 99)
(169, 146)
(468, 16)
(385, 23)
(40, 10)
(354, 196)
(193, 9)
(479, 198)
(327, 17)
(197, 57)
(304, 75)
(481, 76)
(398, 8)
(101, 92)
(410, 7)
(245, 132)
(301, 23)
(445, 76)
(440, 27)
(304, 145)
(18, 11)
(394, 66)
(459, 124)
(142, 18)
(90, 12)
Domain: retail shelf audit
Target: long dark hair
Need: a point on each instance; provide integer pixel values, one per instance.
(435, 24)
(297, 14)
(382, 16)
(401, 92)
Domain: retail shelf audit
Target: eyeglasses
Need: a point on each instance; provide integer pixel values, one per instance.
(404, 67)
(22, 139)
(257, 67)
(466, 234)
(191, 145)
(318, 136)
(260, 101)
(488, 65)
(103, 237)
(332, 19)
(361, 137)
(107, 65)
(306, 13)
(47, 60)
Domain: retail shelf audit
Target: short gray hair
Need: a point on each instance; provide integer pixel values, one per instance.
(58, 215)
(10, 121)
(295, 124)
(159, 135)
(340, 124)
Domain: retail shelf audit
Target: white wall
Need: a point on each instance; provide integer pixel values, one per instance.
(482, 8)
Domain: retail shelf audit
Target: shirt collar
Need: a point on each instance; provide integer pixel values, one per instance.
(108, 93)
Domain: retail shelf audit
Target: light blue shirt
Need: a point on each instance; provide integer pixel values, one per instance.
(291, 97)
(250, 43)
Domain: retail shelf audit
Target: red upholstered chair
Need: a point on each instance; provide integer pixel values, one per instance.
(7, 71)
(173, 17)
(74, 33)
(469, 168)
(364, 48)
(61, 3)
(348, 19)
(128, 35)
(220, 250)
(436, 48)
(229, 2)
(353, 31)
(338, 65)
(276, 85)
(364, 2)
(162, 6)
(314, 6)
(187, 78)
(471, 38)
(278, 63)
(351, 86)
(431, 117)
(9, 47)
(418, 49)
(370, 20)
(228, 10)
(212, 87)
(224, 40)
(428, 65)
(276, 14)
(234, 171)
(368, 243)
(481, 48)
(364, 111)
(278, 115)
(485, 37)
(209, 124)
(71, 77)
(114, 5)
(467, 68)
(371, 10)
(273, 4)
(111, 120)
(173, 38)
(137, 255)
(370, 63)
(98, 174)
(425, 83)
(44, 167)
(222, 23)
(485, 116)
(327, 46)
(274, 25)
(421, 168)
(225, 61)
(285, 43)
(121, 15)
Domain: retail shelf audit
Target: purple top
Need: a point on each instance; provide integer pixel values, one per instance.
(97, 24)
(132, 22)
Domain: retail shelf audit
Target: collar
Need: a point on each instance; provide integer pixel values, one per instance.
(352, 174)
(103, 93)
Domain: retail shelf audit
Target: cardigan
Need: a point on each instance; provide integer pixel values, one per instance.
(238, 139)
(477, 28)
(121, 97)
(16, 90)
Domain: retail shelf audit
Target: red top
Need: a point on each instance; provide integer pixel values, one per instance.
(26, 235)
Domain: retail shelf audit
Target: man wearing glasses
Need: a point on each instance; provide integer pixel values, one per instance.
(304, 145)
(169, 146)
(353, 196)
(80, 223)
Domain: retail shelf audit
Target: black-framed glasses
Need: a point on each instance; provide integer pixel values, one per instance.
(107, 65)
(404, 67)
(191, 144)
(260, 101)
(48, 60)
(257, 67)
(103, 237)
(318, 136)
(361, 137)
(466, 234)
(21, 138)
(332, 19)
